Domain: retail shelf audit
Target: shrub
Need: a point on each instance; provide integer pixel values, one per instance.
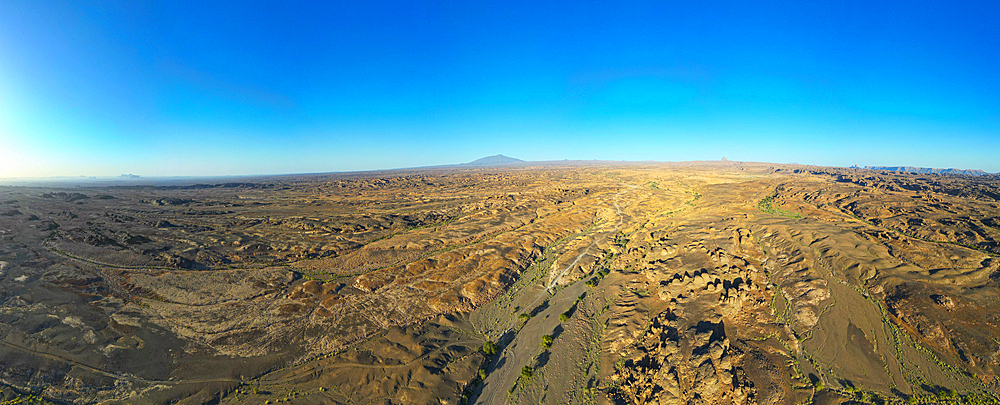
(489, 348)
(546, 341)
(527, 371)
(563, 317)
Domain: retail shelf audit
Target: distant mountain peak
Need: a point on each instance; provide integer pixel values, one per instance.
(494, 160)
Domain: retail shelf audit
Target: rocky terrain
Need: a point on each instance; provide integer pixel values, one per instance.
(690, 283)
(928, 170)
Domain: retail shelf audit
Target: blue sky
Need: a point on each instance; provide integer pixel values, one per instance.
(214, 88)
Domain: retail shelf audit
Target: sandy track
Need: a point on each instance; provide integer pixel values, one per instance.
(521, 350)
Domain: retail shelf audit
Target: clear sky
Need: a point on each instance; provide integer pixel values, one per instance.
(208, 88)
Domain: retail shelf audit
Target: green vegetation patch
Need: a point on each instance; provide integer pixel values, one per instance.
(546, 341)
(489, 348)
(767, 206)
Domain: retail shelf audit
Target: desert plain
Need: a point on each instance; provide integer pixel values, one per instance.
(563, 283)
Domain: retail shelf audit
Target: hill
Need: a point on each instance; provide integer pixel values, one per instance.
(495, 160)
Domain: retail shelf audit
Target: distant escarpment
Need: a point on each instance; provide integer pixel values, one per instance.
(928, 170)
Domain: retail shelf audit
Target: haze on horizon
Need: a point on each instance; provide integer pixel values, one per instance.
(189, 88)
